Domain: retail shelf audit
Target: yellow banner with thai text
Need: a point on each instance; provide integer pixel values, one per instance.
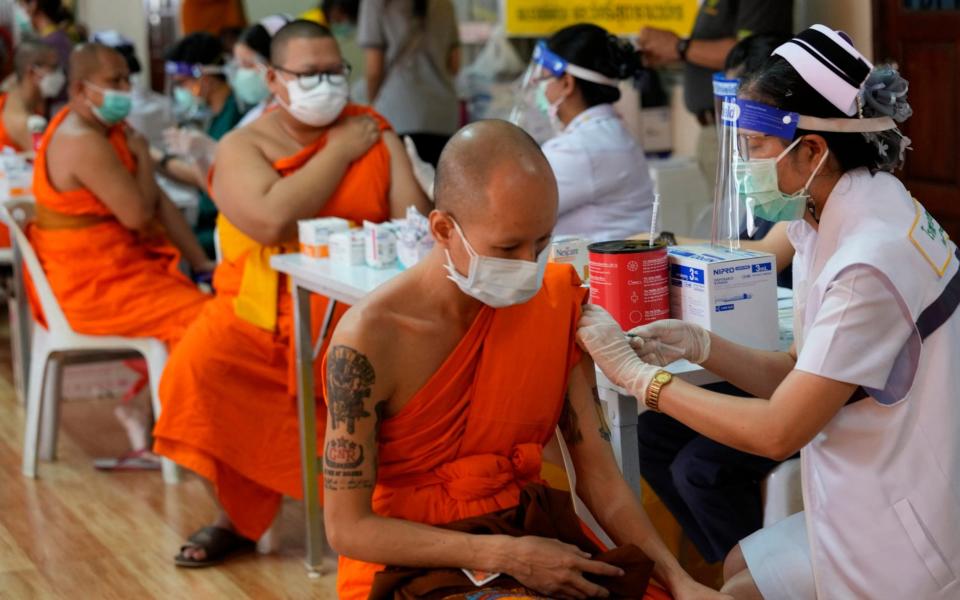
(541, 18)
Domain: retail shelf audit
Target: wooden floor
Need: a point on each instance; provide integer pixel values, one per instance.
(79, 533)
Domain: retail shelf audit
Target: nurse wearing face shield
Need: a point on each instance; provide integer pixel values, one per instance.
(869, 393)
(567, 96)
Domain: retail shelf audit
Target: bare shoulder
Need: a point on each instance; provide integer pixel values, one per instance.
(377, 325)
(241, 140)
(259, 139)
(74, 143)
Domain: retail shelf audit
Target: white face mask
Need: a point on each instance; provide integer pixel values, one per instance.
(498, 282)
(319, 106)
(51, 84)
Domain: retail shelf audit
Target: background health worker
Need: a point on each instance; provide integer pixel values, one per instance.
(869, 392)
(606, 192)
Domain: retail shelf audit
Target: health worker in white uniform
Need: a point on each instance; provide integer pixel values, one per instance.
(870, 393)
(606, 192)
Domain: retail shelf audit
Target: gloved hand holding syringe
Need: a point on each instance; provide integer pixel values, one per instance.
(663, 342)
(652, 350)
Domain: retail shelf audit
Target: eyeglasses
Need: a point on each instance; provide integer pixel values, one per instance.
(748, 143)
(307, 81)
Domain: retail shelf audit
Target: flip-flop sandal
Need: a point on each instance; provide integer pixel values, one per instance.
(218, 543)
(138, 460)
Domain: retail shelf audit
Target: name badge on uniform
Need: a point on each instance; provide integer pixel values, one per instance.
(930, 240)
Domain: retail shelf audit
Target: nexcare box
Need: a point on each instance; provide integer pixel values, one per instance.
(732, 293)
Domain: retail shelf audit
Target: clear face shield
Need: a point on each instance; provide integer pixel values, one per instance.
(532, 110)
(182, 86)
(754, 138)
(723, 88)
(747, 167)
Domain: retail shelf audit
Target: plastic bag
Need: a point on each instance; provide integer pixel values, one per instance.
(485, 83)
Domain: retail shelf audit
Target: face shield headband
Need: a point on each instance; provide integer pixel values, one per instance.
(749, 115)
(556, 66)
(195, 71)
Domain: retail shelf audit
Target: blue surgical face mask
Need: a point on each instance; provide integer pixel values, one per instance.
(185, 103)
(759, 188)
(550, 109)
(343, 31)
(250, 86)
(115, 107)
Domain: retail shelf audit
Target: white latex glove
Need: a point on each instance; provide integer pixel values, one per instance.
(663, 342)
(193, 145)
(422, 170)
(601, 336)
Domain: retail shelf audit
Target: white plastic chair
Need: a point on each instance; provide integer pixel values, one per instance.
(782, 492)
(51, 347)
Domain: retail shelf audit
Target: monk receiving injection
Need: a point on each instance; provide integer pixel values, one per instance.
(443, 386)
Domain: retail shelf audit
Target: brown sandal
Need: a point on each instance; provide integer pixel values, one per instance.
(218, 543)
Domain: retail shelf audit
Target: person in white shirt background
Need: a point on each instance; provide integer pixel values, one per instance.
(870, 393)
(606, 192)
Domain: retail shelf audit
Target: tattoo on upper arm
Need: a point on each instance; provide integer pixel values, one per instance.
(350, 379)
(342, 454)
(569, 423)
(343, 462)
(335, 484)
(601, 415)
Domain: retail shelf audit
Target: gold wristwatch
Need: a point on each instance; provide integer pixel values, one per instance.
(661, 379)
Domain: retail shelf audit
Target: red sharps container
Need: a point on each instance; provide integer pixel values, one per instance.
(629, 278)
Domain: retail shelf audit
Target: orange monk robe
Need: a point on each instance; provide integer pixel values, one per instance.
(470, 439)
(228, 392)
(108, 279)
(212, 16)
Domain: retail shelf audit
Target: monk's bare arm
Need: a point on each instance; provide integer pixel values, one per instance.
(94, 163)
(599, 481)
(404, 189)
(266, 206)
(356, 401)
(181, 236)
(15, 122)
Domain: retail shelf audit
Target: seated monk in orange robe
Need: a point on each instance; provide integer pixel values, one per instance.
(444, 385)
(109, 240)
(228, 394)
(38, 77)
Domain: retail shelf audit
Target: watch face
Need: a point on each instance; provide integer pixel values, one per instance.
(664, 377)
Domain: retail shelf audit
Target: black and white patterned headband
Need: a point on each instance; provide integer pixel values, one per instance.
(829, 63)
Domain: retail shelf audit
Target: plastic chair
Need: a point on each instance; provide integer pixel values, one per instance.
(58, 343)
(782, 492)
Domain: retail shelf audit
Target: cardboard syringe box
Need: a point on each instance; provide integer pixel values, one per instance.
(732, 293)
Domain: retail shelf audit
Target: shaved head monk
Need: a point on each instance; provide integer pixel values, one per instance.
(109, 240)
(439, 407)
(228, 392)
(38, 78)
